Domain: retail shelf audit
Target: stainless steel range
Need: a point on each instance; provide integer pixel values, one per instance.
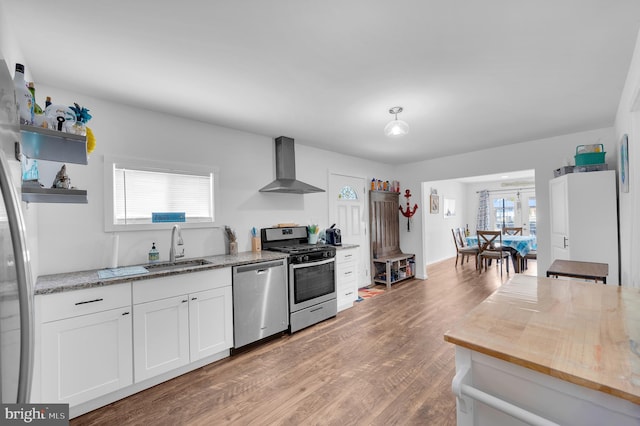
(312, 277)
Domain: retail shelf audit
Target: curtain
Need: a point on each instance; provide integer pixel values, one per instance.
(483, 221)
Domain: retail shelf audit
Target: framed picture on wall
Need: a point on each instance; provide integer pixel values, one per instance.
(449, 207)
(434, 203)
(624, 164)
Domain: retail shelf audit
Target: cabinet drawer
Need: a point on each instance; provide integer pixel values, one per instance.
(346, 274)
(82, 302)
(345, 256)
(347, 294)
(175, 285)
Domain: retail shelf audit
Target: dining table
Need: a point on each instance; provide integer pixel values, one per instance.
(518, 245)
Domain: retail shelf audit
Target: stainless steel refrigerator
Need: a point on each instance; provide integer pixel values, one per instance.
(16, 290)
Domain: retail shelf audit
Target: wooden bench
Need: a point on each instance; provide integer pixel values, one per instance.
(388, 264)
(394, 268)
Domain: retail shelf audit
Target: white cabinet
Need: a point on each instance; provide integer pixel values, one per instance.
(210, 322)
(161, 336)
(85, 343)
(180, 319)
(346, 277)
(584, 219)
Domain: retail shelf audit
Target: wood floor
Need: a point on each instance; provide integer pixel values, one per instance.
(383, 362)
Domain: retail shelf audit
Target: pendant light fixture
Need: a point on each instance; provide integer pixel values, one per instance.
(396, 128)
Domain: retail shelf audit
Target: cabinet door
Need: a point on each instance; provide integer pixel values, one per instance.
(346, 277)
(559, 197)
(161, 336)
(86, 356)
(210, 322)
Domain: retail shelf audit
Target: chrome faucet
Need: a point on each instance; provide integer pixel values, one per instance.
(176, 251)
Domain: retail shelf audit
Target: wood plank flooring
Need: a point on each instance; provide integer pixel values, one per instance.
(382, 362)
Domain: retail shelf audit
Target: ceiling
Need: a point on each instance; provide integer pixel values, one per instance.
(470, 75)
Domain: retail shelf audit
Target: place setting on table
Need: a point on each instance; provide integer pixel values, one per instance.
(518, 245)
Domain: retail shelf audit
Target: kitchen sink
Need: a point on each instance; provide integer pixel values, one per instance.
(170, 266)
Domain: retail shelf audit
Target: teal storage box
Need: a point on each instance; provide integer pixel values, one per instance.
(587, 158)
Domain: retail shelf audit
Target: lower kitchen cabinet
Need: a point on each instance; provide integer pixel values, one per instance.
(89, 342)
(85, 347)
(170, 333)
(180, 319)
(210, 322)
(346, 277)
(161, 336)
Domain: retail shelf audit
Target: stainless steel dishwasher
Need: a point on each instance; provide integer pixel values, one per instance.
(260, 302)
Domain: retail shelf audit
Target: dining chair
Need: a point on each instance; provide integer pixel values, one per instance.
(512, 230)
(533, 254)
(490, 248)
(462, 250)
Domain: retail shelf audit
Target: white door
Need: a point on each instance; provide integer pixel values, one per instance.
(160, 336)
(517, 208)
(86, 357)
(559, 200)
(528, 213)
(210, 322)
(347, 209)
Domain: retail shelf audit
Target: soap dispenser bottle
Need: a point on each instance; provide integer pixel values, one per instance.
(154, 254)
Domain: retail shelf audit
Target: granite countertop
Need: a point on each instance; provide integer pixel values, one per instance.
(584, 333)
(56, 283)
(346, 246)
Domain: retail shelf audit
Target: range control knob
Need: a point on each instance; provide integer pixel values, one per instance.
(305, 258)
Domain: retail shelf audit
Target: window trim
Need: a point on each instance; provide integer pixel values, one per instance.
(152, 165)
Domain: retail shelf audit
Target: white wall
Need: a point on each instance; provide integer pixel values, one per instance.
(438, 240)
(71, 236)
(543, 156)
(628, 122)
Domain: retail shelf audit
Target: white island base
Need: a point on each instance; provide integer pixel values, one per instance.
(536, 397)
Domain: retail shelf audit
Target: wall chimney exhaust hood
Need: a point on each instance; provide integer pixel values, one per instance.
(286, 181)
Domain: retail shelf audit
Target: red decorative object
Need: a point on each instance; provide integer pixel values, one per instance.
(409, 212)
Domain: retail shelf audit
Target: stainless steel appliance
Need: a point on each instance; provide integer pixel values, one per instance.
(312, 277)
(260, 305)
(16, 293)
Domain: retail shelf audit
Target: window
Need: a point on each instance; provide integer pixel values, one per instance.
(347, 193)
(514, 209)
(135, 189)
(503, 213)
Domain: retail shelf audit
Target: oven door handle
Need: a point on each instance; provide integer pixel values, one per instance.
(311, 264)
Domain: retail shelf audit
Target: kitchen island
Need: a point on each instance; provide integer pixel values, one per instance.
(549, 352)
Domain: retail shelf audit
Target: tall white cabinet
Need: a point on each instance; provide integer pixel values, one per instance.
(584, 219)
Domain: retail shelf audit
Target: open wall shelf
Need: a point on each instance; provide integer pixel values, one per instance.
(45, 144)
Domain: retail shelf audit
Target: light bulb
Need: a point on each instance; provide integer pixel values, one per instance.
(396, 128)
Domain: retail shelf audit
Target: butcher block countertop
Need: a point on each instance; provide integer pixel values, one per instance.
(584, 333)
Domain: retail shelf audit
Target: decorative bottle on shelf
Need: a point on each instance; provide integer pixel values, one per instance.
(47, 102)
(23, 96)
(36, 107)
(466, 231)
(38, 113)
